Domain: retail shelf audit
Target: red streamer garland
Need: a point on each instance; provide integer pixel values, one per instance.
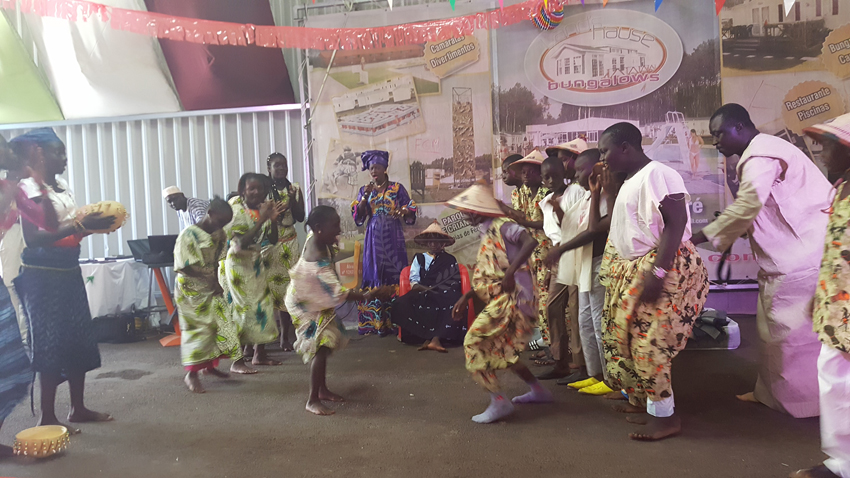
(208, 32)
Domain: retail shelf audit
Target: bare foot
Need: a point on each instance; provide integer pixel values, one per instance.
(431, 346)
(86, 415)
(820, 471)
(216, 373)
(658, 428)
(614, 396)
(319, 408)
(71, 430)
(638, 419)
(194, 383)
(265, 361)
(628, 408)
(329, 396)
(748, 397)
(6, 451)
(240, 367)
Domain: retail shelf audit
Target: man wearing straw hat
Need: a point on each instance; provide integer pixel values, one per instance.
(190, 211)
(832, 300)
(425, 313)
(526, 211)
(503, 281)
(780, 207)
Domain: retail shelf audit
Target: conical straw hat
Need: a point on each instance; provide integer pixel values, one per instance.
(837, 129)
(535, 157)
(478, 199)
(434, 233)
(576, 146)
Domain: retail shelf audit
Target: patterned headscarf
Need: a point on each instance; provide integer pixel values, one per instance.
(38, 136)
(375, 157)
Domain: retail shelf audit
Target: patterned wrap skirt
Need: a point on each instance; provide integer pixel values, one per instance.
(15, 373)
(53, 294)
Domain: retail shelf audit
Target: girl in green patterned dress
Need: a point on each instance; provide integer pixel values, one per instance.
(245, 275)
(207, 330)
(286, 252)
(312, 297)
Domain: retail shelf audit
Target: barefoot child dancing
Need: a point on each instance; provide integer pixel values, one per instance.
(207, 330)
(313, 295)
(503, 281)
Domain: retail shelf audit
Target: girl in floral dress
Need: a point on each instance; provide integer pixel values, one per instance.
(313, 295)
(286, 252)
(208, 331)
(245, 275)
(384, 204)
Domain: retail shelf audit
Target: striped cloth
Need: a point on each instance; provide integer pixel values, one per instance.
(15, 372)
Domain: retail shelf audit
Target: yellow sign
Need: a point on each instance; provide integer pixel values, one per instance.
(836, 52)
(810, 103)
(447, 57)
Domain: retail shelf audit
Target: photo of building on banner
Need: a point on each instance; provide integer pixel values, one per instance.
(429, 105)
(657, 70)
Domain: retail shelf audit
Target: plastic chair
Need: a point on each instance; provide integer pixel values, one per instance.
(465, 286)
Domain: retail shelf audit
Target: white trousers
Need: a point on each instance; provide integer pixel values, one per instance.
(834, 382)
(590, 306)
(787, 379)
(662, 408)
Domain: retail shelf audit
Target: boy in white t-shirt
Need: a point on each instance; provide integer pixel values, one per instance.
(562, 307)
(582, 245)
(656, 281)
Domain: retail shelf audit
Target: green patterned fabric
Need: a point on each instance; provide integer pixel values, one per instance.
(286, 252)
(207, 329)
(245, 278)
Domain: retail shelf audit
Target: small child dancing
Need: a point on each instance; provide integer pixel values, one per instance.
(314, 293)
(207, 330)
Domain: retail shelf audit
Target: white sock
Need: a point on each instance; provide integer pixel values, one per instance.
(538, 394)
(499, 408)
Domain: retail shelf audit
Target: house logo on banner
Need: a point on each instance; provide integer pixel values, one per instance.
(597, 59)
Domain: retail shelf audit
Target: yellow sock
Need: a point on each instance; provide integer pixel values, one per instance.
(583, 383)
(598, 389)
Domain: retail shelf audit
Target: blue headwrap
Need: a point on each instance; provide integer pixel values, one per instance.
(375, 157)
(37, 136)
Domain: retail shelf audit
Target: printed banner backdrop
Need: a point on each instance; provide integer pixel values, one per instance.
(429, 105)
(789, 71)
(600, 66)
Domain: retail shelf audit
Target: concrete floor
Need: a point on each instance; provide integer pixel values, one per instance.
(407, 415)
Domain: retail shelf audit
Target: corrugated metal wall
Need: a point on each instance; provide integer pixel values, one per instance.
(132, 160)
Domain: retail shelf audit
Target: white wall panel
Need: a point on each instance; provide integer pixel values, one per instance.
(132, 160)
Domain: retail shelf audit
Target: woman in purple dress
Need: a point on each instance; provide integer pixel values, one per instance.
(384, 204)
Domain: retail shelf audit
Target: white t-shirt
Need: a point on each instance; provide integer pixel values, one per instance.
(636, 222)
(575, 266)
(63, 202)
(551, 224)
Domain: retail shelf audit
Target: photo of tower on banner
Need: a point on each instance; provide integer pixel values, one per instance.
(448, 112)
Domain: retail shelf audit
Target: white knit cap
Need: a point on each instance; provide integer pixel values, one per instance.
(170, 190)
